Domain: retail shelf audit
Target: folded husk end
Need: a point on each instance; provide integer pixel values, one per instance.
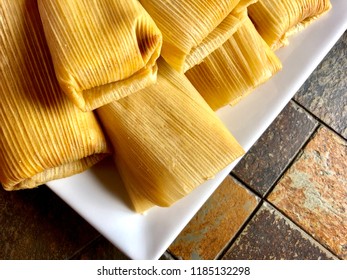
(54, 173)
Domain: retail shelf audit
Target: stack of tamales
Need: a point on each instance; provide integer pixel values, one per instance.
(166, 139)
(61, 59)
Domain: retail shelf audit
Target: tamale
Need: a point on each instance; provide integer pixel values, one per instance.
(231, 72)
(276, 20)
(168, 140)
(43, 136)
(193, 29)
(102, 50)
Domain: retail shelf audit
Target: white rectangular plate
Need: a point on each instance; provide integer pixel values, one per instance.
(99, 197)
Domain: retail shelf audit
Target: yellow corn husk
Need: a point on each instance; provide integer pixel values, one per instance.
(168, 140)
(43, 136)
(276, 20)
(102, 50)
(193, 29)
(231, 72)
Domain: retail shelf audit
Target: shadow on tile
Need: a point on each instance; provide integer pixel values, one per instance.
(37, 224)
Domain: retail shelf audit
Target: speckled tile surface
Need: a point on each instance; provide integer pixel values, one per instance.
(325, 92)
(271, 236)
(267, 159)
(313, 192)
(216, 223)
(36, 224)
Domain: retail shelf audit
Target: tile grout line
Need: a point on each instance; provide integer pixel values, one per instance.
(223, 252)
(317, 118)
(257, 193)
(299, 226)
(291, 161)
(263, 198)
(288, 165)
(88, 244)
(172, 255)
(295, 158)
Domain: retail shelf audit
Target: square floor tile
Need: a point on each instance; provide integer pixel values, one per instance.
(216, 223)
(325, 93)
(313, 192)
(265, 162)
(271, 236)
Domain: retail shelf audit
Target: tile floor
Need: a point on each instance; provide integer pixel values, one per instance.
(287, 198)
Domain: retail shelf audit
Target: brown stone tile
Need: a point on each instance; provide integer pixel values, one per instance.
(100, 249)
(265, 162)
(271, 236)
(216, 222)
(325, 93)
(313, 192)
(36, 224)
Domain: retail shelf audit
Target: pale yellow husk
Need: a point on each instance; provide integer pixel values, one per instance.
(193, 29)
(43, 136)
(234, 70)
(276, 20)
(167, 140)
(102, 50)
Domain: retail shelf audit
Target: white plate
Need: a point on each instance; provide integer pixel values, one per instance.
(98, 196)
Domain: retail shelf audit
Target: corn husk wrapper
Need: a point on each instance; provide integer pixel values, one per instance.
(168, 140)
(102, 50)
(43, 136)
(276, 20)
(230, 73)
(193, 29)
